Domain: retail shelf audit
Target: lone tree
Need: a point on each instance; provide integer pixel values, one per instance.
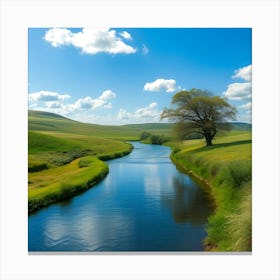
(198, 111)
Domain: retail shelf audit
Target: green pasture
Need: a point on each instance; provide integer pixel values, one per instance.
(51, 123)
(51, 185)
(65, 157)
(226, 167)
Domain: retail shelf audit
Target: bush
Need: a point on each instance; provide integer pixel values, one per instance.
(37, 167)
(144, 135)
(159, 139)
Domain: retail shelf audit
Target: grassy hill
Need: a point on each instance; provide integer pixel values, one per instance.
(65, 157)
(58, 148)
(54, 124)
(227, 169)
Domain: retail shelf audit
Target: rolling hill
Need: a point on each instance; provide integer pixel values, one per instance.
(54, 124)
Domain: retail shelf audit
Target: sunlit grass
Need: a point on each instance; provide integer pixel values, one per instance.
(226, 166)
(56, 149)
(48, 186)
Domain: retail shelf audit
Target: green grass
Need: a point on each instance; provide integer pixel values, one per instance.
(52, 185)
(226, 167)
(52, 123)
(61, 148)
(65, 158)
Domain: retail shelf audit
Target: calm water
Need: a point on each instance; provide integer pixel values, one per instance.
(144, 204)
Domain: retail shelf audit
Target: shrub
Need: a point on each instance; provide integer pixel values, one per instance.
(159, 139)
(144, 135)
(34, 167)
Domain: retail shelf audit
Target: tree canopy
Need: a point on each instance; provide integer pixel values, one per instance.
(198, 111)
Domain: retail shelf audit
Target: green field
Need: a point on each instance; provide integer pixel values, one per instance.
(65, 158)
(49, 123)
(226, 168)
(56, 146)
(56, 184)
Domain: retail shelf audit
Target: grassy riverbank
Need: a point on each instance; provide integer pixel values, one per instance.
(56, 184)
(65, 160)
(62, 167)
(226, 167)
(59, 148)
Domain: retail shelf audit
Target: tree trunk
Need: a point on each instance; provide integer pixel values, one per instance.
(208, 139)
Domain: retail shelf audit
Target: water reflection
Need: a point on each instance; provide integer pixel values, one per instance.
(144, 204)
(189, 203)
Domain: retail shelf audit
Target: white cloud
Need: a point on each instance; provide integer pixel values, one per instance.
(54, 105)
(124, 115)
(54, 102)
(107, 95)
(145, 114)
(245, 117)
(246, 106)
(145, 50)
(126, 35)
(242, 92)
(91, 40)
(89, 103)
(161, 84)
(244, 73)
(238, 91)
(58, 37)
(47, 96)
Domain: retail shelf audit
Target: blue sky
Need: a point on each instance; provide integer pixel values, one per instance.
(128, 75)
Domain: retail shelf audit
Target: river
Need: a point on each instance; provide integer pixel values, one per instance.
(144, 204)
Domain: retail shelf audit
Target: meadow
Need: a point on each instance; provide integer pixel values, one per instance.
(227, 170)
(57, 147)
(66, 157)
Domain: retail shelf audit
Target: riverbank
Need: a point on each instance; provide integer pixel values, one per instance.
(142, 195)
(64, 182)
(59, 183)
(226, 168)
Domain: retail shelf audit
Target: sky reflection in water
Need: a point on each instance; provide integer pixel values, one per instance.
(144, 204)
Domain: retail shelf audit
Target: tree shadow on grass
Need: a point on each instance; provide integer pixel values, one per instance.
(222, 145)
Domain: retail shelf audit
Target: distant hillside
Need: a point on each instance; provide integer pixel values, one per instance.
(43, 114)
(242, 126)
(52, 124)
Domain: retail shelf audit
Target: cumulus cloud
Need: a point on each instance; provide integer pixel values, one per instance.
(47, 96)
(242, 90)
(91, 40)
(239, 91)
(89, 103)
(53, 101)
(244, 73)
(246, 106)
(145, 114)
(161, 84)
(58, 37)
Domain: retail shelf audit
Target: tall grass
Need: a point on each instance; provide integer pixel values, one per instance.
(226, 167)
(52, 185)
